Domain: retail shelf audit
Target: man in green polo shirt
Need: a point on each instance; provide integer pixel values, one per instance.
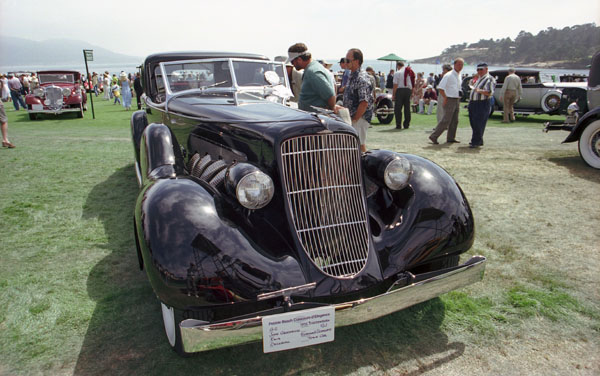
(318, 88)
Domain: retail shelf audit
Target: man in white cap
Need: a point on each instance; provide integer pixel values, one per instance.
(480, 104)
(318, 88)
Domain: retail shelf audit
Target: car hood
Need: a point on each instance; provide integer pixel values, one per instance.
(223, 108)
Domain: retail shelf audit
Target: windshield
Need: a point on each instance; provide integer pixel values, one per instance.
(203, 74)
(56, 77)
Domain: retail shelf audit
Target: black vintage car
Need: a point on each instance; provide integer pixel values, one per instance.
(259, 221)
(583, 116)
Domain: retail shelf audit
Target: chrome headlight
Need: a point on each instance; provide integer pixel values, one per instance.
(397, 173)
(66, 91)
(573, 107)
(255, 190)
(38, 92)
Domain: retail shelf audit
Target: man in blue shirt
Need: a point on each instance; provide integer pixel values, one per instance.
(318, 88)
(345, 76)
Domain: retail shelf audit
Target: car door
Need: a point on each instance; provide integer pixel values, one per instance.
(533, 90)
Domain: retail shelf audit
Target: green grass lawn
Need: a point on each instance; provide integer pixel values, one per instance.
(73, 301)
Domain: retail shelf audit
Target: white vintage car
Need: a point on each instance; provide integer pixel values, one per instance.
(538, 97)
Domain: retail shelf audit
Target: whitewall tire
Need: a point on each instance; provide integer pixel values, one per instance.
(169, 322)
(589, 144)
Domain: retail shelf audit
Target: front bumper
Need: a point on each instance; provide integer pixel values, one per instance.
(201, 336)
(55, 112)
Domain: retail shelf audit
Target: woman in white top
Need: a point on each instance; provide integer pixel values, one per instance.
(5, 89)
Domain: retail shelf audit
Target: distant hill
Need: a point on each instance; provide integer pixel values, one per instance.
(24, 52)
(570, 48)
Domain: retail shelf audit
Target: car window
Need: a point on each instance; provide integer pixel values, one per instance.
(181, 76)
(45, 78)
(160, 86)
(252, 73)
(186, 76)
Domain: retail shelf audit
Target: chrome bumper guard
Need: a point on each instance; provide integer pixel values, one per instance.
(200, 336)
(384, 111)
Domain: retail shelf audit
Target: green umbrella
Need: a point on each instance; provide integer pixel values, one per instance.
(390, 58)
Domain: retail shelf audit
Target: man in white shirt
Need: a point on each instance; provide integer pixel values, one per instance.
(449, 98)
(402, 90)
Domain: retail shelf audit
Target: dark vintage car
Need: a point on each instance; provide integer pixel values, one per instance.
(59, 91)
(583, 117)
(259, 221)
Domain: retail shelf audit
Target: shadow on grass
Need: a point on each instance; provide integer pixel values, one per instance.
(117, 332)
(576, 166)
(125, 334)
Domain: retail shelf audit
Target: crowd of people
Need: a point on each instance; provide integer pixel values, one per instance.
(13, 88)
(120, 88)
(314, 86)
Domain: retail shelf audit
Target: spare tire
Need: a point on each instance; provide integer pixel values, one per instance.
(551, 101)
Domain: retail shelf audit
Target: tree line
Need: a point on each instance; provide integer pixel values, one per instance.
(574, 45)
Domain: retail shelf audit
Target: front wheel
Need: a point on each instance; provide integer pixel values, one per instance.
(32, 116)
(589, 144)
(385, 118)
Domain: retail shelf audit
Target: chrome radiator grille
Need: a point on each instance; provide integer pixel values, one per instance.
(55, 97)
(323, 184)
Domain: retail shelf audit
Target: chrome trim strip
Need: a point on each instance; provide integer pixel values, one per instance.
(138, 174)
(286, 293)
(199, 336)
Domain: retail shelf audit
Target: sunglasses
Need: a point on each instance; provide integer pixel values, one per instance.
(480, 69)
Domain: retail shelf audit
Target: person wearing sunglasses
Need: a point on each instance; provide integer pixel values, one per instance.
(480, 104)
(358, 96)
(345, 76)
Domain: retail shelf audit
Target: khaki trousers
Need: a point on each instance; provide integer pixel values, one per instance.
(449, 120)
(510, 96)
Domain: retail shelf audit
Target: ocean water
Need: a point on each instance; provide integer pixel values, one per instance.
(377, 65)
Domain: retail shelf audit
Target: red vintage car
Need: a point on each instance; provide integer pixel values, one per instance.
(58, 91)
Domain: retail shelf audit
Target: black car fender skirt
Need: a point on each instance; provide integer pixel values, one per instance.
(194, 257)
(157, 156)
(139, 122)
(583, 122)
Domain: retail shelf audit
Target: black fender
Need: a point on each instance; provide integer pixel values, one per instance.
(583, 122)
(138, 122)
(427, 221)
(383, 97)
(194, 257)
(157, 158)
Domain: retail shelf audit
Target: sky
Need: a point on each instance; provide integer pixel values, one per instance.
(410, 29)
